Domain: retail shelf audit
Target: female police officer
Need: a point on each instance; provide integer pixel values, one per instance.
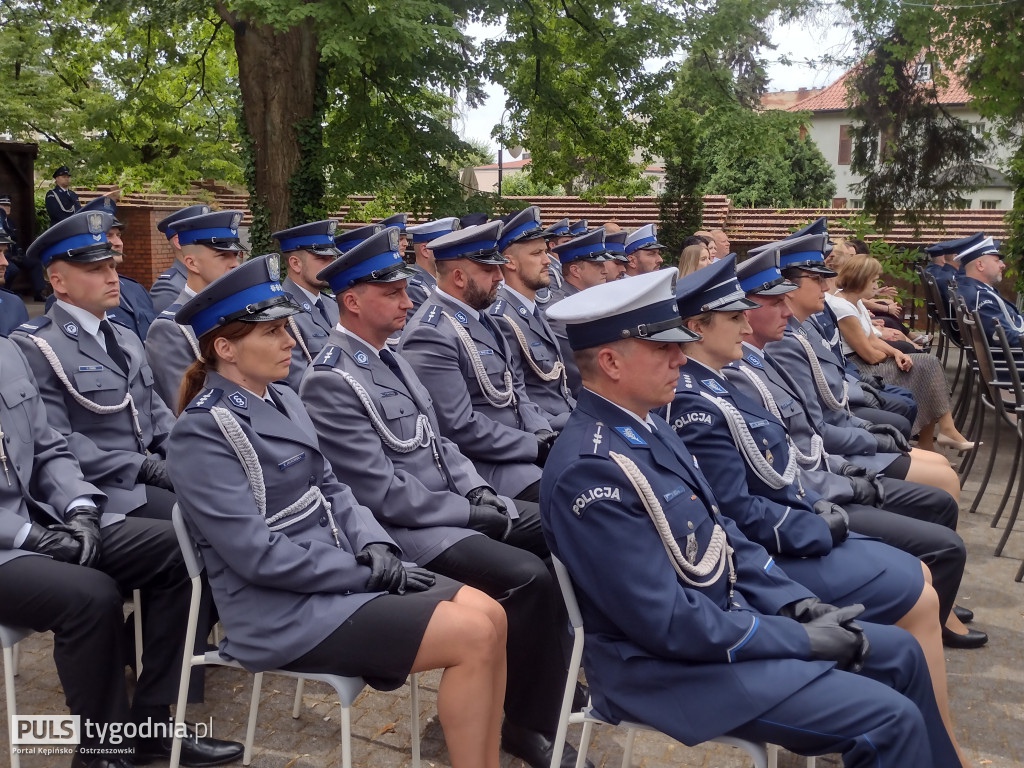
(304, 578)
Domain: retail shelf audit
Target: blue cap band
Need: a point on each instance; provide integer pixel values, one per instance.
(799, 257)
(459, 249)
(608, 329)
(342, 280)
(69, 244)
(570, 254)
(613, 246)
(758, 279)
(508, 236)
(191, 235)
(206, 319)
(298, 243)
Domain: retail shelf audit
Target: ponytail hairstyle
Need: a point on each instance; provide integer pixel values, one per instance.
(195, 375)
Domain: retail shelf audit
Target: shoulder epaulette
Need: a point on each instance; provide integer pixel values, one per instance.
(170, 312)
(328, 357)
(498, 307)
(596, 442)
(432, 315)
(34, 325)
(167, 274)
(205, 400)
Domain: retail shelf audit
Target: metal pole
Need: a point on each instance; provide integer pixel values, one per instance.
(500, 153)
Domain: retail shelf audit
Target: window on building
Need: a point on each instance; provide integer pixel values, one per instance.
(991, 205)
(923, 72)
(845, 145)
(855, 202)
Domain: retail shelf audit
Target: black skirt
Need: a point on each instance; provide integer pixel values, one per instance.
(379, 642)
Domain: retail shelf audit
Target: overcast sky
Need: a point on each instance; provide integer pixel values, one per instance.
(800, 43)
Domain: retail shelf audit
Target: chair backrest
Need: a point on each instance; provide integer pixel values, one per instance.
(189, 549)
(572, 606)
(1011, 364)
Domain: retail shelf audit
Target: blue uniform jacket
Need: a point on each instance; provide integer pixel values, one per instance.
(985, 300)
(12, 311)
(136, 309)
(683, 659)
(279, 592)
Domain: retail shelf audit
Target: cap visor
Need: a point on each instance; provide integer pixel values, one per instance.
(286, 308)
(226, 247)
(737, 305)
(679, 335)
(483, 259)
(400, 272)
(783, 286)
(89, 257)
(323, 250)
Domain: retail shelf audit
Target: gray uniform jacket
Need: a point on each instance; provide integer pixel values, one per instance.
(420, 288)
(280, 588)
(170, 352)
(309, 328)
(499, 441)
(558, 328)
(107, 446)
(167, 286)
(37, 464)
(541, 346)
(421, 506)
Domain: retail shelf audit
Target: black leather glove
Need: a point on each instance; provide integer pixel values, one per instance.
(835, 636)
(58, 544)
(836, 517)
(154, 472)
(863, 491)
(485, 496)
(84, 524)
(387, 574)
(872, 397)
(545, 439)
(901, 442)
(490, 522)
(849, 469)
(872, 380)
(806, 610)
(418, 579)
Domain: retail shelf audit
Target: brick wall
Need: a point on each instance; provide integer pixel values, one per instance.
(146, 251)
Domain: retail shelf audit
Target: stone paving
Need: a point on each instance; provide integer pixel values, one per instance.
(986, 685)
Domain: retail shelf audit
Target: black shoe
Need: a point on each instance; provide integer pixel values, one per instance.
(973, 638)
(966, 615)
(534, 748)
(195, 752)
(100, 761)
(581, 698)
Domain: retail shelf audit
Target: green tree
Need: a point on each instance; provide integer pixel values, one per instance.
(522, 184)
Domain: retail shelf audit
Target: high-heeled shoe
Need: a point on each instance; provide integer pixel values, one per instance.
(945, 441)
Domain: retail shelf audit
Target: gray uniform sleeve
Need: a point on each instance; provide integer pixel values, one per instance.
(169, 355)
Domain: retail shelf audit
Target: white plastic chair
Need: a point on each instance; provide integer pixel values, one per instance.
(764, 756)
(9, 638)
(347, 688)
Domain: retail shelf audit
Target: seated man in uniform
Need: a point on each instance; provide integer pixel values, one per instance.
(93, 559)
(465, 363)
(983, 268)
(422, 284)
(168, 284)
(691, 628)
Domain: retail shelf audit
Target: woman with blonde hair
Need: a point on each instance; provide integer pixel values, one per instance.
(693, 258)
(921, 374)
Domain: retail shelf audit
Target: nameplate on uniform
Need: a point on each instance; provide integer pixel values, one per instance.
(677, 492)
(756, 424)
(631, 436)
(601, 493)
(89, 368)
(290, 462)
(486, 351)
(754, 360)
(714, 386)
(238, 399)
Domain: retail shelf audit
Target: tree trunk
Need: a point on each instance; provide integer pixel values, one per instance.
(277, 79)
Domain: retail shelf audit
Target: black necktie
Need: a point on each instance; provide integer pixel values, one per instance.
(323, 311)
(486, 322)
(113, 348)
(389, 359)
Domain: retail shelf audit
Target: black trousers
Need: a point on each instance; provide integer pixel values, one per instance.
(921, 521)
(83, 608)
(884, 416)
(514, 574)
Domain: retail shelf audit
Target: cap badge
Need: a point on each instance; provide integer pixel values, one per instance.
(95, 221)
(236, 219)
(393, 238)
(332, 226)
(273, 266)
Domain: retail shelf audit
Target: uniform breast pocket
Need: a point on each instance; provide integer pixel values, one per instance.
(690, 521)
(541, 354)
(400, 413)
(494, 365)
(17, 395)
(146, 375)
(102, 387)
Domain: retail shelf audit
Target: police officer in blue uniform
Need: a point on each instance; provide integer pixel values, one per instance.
(61, 201)
(400, 220)
(12, 308)
(210, 246)
(615, 243)
(983, 268)
(308, 249)
(168, 284)
(533, 344)
(691, 628)
(16, 258)
(464, 361)
(303, 576)
(375, 418)
(92, 378)
(940, 266)
(135, 311)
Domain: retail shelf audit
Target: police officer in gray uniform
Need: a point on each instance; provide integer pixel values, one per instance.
(466, 365)
(553, 235)
(307, 249)
(422, 283)
(530, 339)
(168, 284)
(210, 247)
(377, 425)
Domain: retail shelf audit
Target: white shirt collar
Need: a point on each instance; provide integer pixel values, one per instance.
(459, 303)
(530, 304)
(313, 297)
(87, 321)
(647, 423)
(342, 329)
(187, 292)
(759, 350)
(706, 366)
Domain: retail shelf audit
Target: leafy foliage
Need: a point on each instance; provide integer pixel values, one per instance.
(522, 184)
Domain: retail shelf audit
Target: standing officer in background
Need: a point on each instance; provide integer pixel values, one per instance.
(422, 283)
(61, 201)
(209, 248)
(12, 308)
(530, 339)
(376, 423)
(690, 627)
(169, 283)
(135, 310)
(461, 357)
(643, 251)
(308, 249)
